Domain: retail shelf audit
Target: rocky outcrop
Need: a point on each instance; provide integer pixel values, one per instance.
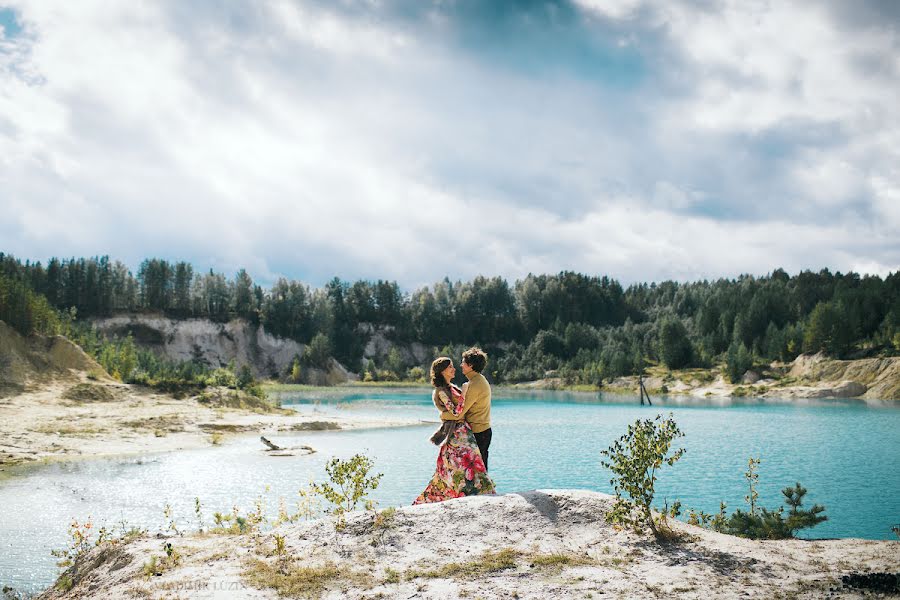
(534, 544)
(876, 378)
(808, 376)
(215, 344)
(379, 346)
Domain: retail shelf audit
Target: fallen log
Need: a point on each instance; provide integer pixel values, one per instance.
(284, 451)
(270, 444)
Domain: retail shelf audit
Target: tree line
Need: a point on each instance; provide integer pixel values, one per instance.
(585, 328)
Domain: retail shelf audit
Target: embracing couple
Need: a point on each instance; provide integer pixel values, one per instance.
(465, 433)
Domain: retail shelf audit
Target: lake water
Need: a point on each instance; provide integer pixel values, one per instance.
(847, 454)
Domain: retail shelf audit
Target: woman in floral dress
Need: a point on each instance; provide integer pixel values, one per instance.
(460, 469)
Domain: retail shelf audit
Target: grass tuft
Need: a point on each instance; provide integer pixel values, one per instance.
(302, 582)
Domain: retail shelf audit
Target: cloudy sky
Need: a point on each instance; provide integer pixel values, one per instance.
(415, 139)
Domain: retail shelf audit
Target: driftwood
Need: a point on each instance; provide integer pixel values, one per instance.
(276, 450)
(269, 444)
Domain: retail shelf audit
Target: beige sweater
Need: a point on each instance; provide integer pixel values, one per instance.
(477, 409)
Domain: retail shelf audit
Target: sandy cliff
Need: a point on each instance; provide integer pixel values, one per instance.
(216, 344)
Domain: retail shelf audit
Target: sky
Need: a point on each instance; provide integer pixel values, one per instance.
(413, 140)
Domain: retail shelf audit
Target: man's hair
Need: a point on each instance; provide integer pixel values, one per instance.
(475, 358)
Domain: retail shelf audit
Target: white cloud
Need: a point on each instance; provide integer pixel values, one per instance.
(301, 141)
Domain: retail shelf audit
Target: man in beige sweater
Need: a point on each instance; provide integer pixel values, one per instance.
(477, 409)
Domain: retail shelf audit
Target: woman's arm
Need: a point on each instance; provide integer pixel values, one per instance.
(446, 404)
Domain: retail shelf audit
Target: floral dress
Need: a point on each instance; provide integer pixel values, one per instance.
(460, 469)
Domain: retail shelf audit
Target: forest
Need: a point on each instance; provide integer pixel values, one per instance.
(585, 328)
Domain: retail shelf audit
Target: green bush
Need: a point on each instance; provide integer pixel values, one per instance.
(774, 525)
(350, 482)
(635, 459)
(760, 523)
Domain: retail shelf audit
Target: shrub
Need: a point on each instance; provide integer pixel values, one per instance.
(772, 525)
(759, 522)
(349, 484)
(634, 460)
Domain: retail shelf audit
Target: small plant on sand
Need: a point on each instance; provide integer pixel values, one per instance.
(230, 523)
(80, 541)
(157, 565)
(383, 522)
(308, 504)
(198, 513)
(350, 482)
(760, 522)
(634, 459)
(752, 480)
(283, 559)
(170, 521)
(774, 525)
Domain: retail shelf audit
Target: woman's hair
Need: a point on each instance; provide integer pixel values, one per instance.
(437, 371)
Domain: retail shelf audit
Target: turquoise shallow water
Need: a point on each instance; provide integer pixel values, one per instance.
(846, 453)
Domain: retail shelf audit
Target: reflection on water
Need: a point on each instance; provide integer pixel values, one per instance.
(844, 452)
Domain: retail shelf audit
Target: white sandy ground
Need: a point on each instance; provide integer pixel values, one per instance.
(40, 425)
(604, 562)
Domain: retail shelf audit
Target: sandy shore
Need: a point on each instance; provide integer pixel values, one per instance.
(46, 425)
(538, 544)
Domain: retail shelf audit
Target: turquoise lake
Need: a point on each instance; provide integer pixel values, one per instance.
(846, 453)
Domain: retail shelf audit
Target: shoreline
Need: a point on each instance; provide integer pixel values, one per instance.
(807, 377)
(41, 426)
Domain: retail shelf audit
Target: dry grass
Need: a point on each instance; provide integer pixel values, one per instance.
(91, 392)
(160, 425)
(303, 582)
(501, 560)
(63, 428)
(315, 426)
(487, 563)
(556, 561)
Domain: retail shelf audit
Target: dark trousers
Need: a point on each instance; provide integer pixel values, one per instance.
(484, 442)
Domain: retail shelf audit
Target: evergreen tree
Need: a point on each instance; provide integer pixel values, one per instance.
(674, 346)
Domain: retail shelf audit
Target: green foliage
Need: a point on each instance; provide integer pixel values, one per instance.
(394, 362)
(773, 525)
(586, 329)
(634, 459)
(752, 479)
(674, 346)
(829, 330)
(318, 352)
(416, 374)
(244, 377)
(737, 362)
(26, 311)
(296, 371)
(760, 522)
(349, 483)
